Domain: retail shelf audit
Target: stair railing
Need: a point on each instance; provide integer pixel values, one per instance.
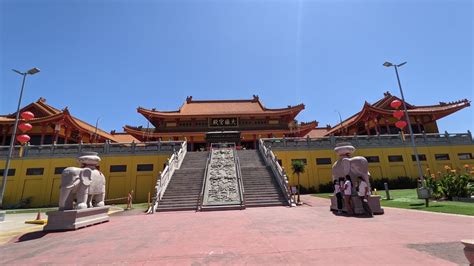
(280, 174)
(201, 195)
(239, 179)
(173, 163)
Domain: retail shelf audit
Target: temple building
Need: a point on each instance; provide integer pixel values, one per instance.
(52, 125)
(377, 118)
(196, 120)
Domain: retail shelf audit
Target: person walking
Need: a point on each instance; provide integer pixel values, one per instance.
(364, 193)
(348, 194)
(337, 192)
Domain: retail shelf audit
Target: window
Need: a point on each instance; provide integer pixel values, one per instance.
(442, 157)
(465, 156)
(395, 158)
(372, 159)
(321, 161)
(118, 168)
(421, 157)
(11, 172)
(144, 167)
(280, 162)
(59, 170)
(34, 171)
(302, 160)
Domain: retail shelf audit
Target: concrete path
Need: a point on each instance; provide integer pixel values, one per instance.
(277, 235)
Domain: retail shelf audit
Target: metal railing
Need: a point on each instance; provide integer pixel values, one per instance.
(164, 179)
(371, 141)
(73, 150)
(280, 174)
(201, 195)
(239, 179)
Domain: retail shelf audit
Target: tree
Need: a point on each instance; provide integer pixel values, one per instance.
(298, 168)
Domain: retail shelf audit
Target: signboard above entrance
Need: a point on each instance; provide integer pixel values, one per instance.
(223, 122)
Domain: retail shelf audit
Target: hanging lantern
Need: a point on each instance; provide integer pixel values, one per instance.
(401, 124)
(24, 127)
(27, 115)
(398, 114)
(23, 138)
(395, 104)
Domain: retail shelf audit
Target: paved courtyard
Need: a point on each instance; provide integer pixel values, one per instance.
(277, 235)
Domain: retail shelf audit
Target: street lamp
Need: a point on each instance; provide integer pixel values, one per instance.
(412, 137)
(12, 140)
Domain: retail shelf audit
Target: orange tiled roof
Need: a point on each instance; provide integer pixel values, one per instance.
(221, 107)
(382, 106)
(317, 132)
(47, 113)
(124, 137)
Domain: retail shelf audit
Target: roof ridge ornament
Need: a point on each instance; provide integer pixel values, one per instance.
(189, 99)
(255, 97)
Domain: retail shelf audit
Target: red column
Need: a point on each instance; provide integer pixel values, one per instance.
(254, 141)
(66, 137)
(4, 134)
(43, 132)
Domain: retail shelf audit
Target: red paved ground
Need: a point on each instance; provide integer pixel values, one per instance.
(277, 235)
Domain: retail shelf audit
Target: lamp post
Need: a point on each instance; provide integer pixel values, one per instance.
(12, 140)
(412, 137)
(340, 119)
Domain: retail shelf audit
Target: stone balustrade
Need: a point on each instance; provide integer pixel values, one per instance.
(73, 150)
(371, 141)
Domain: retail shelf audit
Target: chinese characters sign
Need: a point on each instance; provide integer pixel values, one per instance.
(223, 122)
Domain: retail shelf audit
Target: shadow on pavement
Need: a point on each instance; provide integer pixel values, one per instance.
(31, 236)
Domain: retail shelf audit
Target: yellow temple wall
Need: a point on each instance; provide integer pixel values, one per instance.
(44, 189)
(315, 175)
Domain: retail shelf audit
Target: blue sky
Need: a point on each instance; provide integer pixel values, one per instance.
(103, 59)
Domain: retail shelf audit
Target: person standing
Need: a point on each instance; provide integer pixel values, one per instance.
(364, 196)
(337, 192)
(348, 194)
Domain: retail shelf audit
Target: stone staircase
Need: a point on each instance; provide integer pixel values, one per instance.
(261, 188)
(185, 186)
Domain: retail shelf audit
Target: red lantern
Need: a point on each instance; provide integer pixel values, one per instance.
(24, 127)
(401, 124)
(27, 115)
(395, 104)
(23, 138)
(398, 114)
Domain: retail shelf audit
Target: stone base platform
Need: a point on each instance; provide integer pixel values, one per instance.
(373, 200)
(75, 219)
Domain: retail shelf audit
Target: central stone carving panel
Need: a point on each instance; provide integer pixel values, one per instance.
(221, 182)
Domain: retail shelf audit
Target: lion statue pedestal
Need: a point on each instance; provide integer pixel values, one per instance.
(81, 198)
(354, 167)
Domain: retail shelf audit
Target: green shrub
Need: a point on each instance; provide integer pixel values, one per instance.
(435, 187)
(455, 185)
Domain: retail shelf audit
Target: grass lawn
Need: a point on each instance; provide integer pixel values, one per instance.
(408, 199)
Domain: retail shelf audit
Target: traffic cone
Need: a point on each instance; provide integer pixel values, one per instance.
(38, 219)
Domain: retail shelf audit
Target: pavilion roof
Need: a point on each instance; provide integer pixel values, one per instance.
(193, 108)
(46, 113)
(382, 107)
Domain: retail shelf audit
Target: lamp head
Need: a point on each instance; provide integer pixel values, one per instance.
(387, 64)
(33, 71)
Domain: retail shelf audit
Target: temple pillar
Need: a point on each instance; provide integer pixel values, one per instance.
(66, 134)
(43, 132)
(377, 129)
(57, 129)
(367, 130)
(387, 126)
(191, 142)
(254, 141)
(418, 124)
(5, 130)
